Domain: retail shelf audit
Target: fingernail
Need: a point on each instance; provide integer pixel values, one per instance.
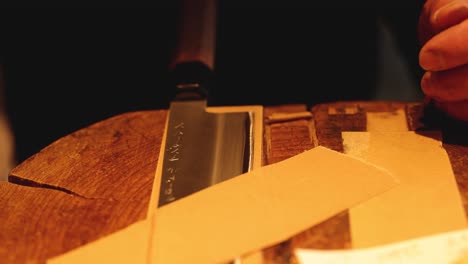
(436, 14)
(446, 8)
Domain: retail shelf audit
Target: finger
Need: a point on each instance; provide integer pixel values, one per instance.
(457, 110)
(449, 15)
(425, 31)
(425, 28)
(429, 26)
(447, 86)
(446, 50)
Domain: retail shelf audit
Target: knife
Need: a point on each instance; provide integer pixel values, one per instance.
(201, 148)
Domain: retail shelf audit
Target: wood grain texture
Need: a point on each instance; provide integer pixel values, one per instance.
(88, 184)
(196, 33)
(115, 158)
(98, 180)
(286, 139)
(38, 223)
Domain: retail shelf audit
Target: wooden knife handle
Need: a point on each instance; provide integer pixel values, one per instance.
(193, 61)
(196, 33)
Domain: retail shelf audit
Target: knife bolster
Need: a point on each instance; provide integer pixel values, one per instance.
(192, 80)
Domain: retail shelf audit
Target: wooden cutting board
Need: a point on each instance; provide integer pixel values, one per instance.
(98, 180)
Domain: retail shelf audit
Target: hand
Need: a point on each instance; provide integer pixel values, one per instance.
(443, 31)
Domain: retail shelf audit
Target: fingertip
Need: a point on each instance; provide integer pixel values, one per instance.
(430, 59)
(449, 14)
(426, 84)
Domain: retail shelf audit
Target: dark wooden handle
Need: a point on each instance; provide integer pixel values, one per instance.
(197, 33)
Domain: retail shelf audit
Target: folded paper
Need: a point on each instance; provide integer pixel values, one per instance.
(243, 214)
(443, 248)
(263, 207)
(129, 245)
(426, 202)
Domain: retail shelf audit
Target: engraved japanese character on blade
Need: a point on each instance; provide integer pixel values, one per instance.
(173, 156)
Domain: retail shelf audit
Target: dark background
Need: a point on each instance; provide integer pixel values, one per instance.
(65, 69)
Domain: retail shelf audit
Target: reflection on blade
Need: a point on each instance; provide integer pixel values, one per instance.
(203, 149)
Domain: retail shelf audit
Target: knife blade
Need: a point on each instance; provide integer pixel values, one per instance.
(201, 148)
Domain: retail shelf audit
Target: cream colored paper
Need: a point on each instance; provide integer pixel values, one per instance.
(129, 245)
(263, 207)
(426, 202)
(243, 214)
(445, 248)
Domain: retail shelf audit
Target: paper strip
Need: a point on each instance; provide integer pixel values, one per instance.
(263, 207)
(243, 214)
(129, 245)
(426, 202)
(450, 247)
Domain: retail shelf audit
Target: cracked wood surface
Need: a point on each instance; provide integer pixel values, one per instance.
(98, 180)
(115, 158)
(38, 223)
(88, 184)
